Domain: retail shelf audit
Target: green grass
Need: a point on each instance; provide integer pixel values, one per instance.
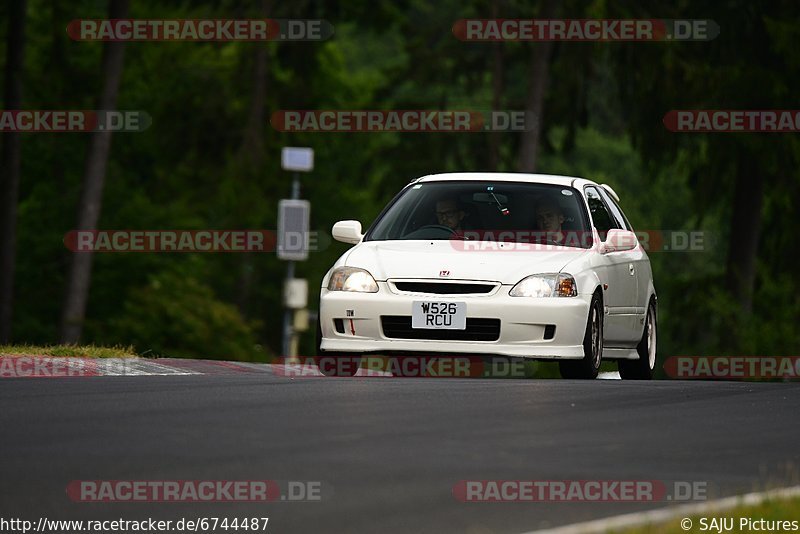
(69, 351)
(773, 510)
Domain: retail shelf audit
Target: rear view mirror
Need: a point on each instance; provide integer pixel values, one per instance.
(488, 198)
(347, 232)
(619, 241)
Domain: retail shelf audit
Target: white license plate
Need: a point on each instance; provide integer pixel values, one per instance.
(439, 315)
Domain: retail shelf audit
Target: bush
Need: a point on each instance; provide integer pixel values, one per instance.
(178, 316)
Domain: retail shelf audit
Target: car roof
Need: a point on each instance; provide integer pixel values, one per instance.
(552, 179)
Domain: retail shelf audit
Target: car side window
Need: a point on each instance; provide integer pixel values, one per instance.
(619, 217)
(603, 220)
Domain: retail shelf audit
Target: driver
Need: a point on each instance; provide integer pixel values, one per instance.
(450, 213)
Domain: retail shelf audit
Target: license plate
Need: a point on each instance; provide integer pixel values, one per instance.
(439, 315)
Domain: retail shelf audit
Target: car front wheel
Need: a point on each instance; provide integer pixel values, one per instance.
(589, 366)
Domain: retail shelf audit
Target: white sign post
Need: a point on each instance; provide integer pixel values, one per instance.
(297, 159)
(293, 218)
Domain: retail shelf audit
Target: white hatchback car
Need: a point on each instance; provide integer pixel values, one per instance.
(517, 265)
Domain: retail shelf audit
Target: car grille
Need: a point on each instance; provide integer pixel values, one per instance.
(478, 329)
(438, 288)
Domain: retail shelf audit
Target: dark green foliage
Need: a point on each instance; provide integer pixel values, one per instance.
(189, 170)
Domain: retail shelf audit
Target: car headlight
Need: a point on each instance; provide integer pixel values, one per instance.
(352, 279)
(545, 285)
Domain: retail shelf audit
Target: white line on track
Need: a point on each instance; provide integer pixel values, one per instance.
(638, 519)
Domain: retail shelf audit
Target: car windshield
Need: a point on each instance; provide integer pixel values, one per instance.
(486, 211)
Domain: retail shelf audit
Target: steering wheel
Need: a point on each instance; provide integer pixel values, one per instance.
(437, 227)
(552, 242)
(432, 231)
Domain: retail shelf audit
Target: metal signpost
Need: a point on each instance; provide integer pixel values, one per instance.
(293, 226)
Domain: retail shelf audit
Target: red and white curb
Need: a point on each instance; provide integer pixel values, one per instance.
(32, 366)
(41, 366)
(137, 367)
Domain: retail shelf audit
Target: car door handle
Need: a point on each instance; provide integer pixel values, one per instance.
(631, 269)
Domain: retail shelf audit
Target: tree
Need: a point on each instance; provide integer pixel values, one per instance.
(10, 166)
(80, 273)
(537, 91)
(733, 175)
(497, 91)
(251, 152)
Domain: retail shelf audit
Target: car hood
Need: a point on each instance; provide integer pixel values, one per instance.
(483, 261)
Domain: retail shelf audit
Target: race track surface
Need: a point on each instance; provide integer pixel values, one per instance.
(387, 452)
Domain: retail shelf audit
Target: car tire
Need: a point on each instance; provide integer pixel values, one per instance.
(334, 363)
(588, 367)
(642, 368)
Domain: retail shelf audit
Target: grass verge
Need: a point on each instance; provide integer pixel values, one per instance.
(770, 511)
(68, 351)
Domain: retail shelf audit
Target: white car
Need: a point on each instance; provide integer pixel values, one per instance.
(517, 265)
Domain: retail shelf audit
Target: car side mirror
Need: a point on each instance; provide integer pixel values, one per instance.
(619, 241)
(347, 232)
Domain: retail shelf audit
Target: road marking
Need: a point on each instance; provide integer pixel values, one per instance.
(638, 519)
(609, 375)
(137, 367)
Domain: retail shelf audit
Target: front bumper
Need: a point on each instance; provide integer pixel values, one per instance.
(539, 328)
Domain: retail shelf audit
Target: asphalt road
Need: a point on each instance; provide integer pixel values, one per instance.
(386, 451)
